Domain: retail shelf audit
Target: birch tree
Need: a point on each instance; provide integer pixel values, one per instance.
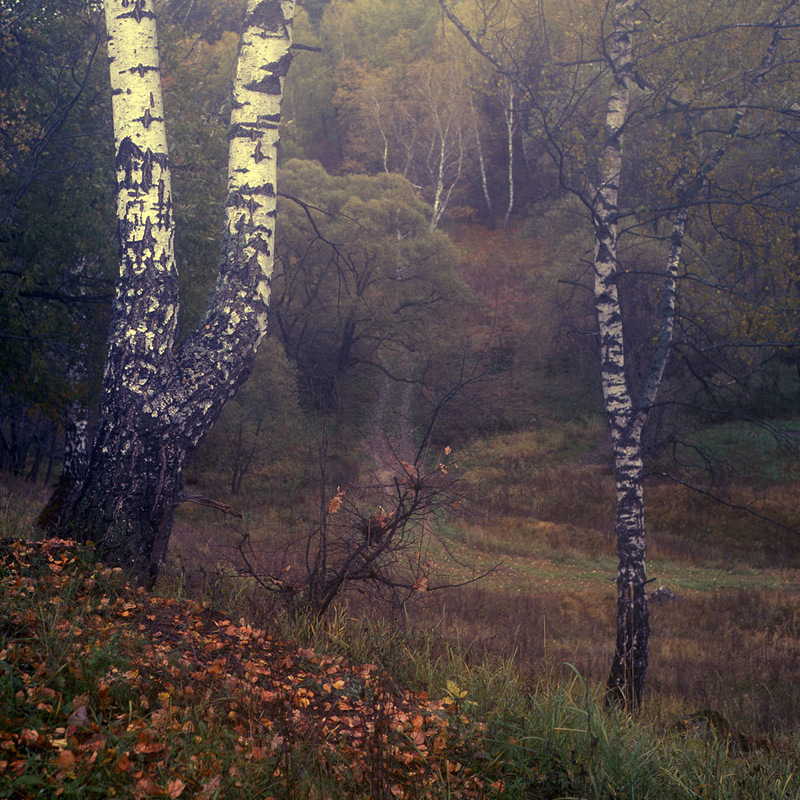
(594, 174)
(158, 397)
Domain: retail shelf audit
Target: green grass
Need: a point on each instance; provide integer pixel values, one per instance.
(765, 452)
(516, 661)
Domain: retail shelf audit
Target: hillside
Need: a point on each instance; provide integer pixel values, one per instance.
(108, 691)
(112, 691)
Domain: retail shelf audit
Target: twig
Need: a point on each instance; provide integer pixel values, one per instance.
(205, 501)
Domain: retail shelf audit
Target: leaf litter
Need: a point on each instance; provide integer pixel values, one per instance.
(108, 688)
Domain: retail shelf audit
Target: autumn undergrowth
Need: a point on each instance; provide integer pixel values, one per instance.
(109, 691)
(488, 690)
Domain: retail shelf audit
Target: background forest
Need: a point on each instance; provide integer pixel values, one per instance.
(431, 381)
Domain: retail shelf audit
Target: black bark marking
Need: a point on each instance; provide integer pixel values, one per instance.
(138, 14)
(268, 14)
(269, 84)
(241, 197)
(258, 155)
(146, 243)
(281, 66)
(141, 69)
(252, 207)
(164, 206)
(127, 154)
(245, 131)
(147, 171)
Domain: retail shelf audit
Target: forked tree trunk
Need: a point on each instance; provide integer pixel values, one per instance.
(158, 401)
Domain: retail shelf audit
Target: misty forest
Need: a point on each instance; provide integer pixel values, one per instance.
(400, 399)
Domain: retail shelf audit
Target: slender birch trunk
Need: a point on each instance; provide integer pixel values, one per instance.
(511, 126)
(157, 401)
(482, 164)
(629, 666)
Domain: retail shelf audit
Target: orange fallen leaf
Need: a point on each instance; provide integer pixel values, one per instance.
(148, 748)
(31, 738)
(124, 764)
(66, 759)
(175, 787)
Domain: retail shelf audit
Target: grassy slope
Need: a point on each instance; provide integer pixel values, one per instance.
(731, 642)
(110, 692)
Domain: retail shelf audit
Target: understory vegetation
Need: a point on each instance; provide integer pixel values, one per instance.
(494, 689)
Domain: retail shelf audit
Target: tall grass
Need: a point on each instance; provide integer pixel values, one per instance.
(551, 736)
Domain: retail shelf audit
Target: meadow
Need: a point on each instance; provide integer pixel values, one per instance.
(521, 653)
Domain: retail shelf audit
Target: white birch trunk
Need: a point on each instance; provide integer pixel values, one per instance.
(511, 120)
(157, 402)
(630, 659)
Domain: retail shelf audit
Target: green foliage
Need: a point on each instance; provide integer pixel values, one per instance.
(57, 244)
(360, 278)
(380, 32)
(196, 78)
(261, 429)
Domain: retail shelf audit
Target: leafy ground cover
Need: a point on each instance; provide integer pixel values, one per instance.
(109, 691)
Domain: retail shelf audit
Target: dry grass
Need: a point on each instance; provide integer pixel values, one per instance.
(542, 519)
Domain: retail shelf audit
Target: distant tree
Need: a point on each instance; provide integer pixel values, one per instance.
(360, 277)
(160, 397)
(413, 119)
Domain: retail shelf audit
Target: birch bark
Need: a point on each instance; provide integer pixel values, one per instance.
(157, 401)
(629, 666)
(510, 115)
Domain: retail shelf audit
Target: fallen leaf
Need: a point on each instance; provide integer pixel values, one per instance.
(66, 759)
(79, 718)
(124, 764)
(31, 738)
(211, 788)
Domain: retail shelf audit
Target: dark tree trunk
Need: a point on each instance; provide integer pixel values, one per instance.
(129, 496)
(629, 667)
(76, 457)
